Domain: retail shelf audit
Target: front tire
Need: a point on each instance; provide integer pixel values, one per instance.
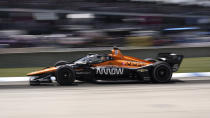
(65, 75)
(161, 73)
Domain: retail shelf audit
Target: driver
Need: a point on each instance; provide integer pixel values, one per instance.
(103, 58)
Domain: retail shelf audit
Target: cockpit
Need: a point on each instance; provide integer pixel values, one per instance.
(93, 59)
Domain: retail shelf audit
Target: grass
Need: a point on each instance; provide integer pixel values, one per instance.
(201, 64)
(16, 72)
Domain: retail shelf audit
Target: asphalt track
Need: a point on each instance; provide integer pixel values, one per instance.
(181, 98)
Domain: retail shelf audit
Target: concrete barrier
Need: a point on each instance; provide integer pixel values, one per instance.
(42, 58)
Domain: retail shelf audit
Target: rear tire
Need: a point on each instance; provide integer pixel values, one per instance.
(65, 75)
(161, 73)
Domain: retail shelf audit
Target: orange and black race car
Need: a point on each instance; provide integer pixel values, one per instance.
(113, 66)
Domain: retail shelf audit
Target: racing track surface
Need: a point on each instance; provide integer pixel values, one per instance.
(182, 98)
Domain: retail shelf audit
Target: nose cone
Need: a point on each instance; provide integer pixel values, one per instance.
(47, 70)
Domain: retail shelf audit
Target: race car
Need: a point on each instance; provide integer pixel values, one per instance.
(113, 66)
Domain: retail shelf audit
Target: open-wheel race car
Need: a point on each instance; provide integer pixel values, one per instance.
(113, 66)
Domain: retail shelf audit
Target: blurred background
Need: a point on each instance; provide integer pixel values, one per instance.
(94, 23)
(37, 33)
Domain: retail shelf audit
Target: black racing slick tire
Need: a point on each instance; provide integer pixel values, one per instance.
(162, 72)
(59, 63)
(65, 75)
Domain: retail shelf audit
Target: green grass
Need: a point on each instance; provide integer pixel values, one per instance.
(201, 64)
(16, 72)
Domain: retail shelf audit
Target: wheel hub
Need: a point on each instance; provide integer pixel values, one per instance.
(66, 74)
(161, 72)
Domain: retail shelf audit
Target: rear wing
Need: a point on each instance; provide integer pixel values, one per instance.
(172, 59)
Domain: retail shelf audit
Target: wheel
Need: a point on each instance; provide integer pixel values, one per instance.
(161, 73)
(59, 63)
(65, 75)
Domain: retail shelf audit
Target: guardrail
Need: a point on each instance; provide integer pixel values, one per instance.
(14, 58)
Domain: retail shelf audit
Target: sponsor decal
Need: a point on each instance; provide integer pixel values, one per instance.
(109, 71)
(116, 52)
(135, 63)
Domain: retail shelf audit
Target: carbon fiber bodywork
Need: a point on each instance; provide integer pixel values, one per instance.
(114, 66)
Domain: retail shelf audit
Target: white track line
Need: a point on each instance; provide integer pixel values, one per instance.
(175, 75)
(13, 79)
(197, 74)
